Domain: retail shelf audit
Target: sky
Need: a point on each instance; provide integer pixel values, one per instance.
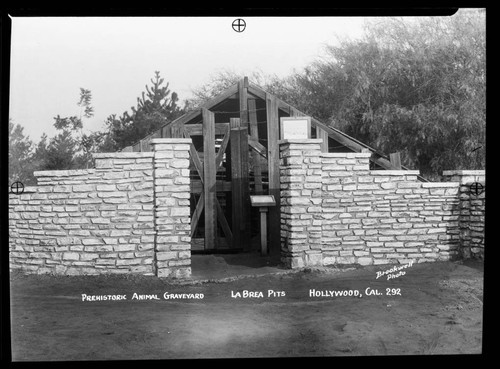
(116, 57)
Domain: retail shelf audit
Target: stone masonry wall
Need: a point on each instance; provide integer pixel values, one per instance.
(87, 221)
(301, 203)
(131, 213)
(172, 207)
(472, 210)
(337, 211)
(108, 219)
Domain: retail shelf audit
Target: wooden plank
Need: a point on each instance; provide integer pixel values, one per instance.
(166, 132)
(321, 133)
(256, 91)
(222, 149)
(236, 195)
(197, 244)
(197, 129)
(254, 134)
(395, 160)
(243, 100)
(197, 213)
(257, 147)
(194, 156)
(245, 189)
(177, 130)
(223, 222)
(209, 179)
(196, 186)
(273, 162)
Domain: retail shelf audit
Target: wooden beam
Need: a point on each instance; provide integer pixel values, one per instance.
(256, 91)
(273, 162)
(292, 111)
(209, 182)
(145, 144)
(220, 186)
(166, 132)
(243, 99)
(395, 160)
(223, 222)
(257, 147)
(245, 193)
(236, 195)
(321, 133)
(194, 156)
(197, 213)
(177, 130)
(197, 129)
(222, 149)
(254, 134)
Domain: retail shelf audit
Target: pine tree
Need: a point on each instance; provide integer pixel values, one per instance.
(20, 155)
(155, 107)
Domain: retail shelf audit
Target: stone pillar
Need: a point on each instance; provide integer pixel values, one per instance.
(172, 207)
(472, 210)
(300, 192)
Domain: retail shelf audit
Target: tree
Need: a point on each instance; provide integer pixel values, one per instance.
(70, 148)
(20, 156)
(60, 152)
(435, 107)
(413, 86)
(155, 107)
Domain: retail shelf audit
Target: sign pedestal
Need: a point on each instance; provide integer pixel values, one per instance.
(263, 202)
(263, 231)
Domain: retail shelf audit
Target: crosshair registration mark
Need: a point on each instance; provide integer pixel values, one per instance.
(239, 25)
(17, 188)
(476, 188)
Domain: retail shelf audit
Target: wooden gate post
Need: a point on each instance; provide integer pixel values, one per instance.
(236, 191)
(254, 134)
(273, 161)
(209, 180)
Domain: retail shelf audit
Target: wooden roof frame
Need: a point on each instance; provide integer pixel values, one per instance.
(257, 91)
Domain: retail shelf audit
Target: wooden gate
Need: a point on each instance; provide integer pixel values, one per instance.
(220, 182)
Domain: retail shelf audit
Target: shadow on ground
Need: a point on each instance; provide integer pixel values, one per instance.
(233, 265)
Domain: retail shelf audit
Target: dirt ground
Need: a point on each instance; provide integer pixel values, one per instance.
(435, 308)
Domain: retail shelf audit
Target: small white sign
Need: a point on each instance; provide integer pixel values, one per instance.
(262, 200)
(295, 128)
